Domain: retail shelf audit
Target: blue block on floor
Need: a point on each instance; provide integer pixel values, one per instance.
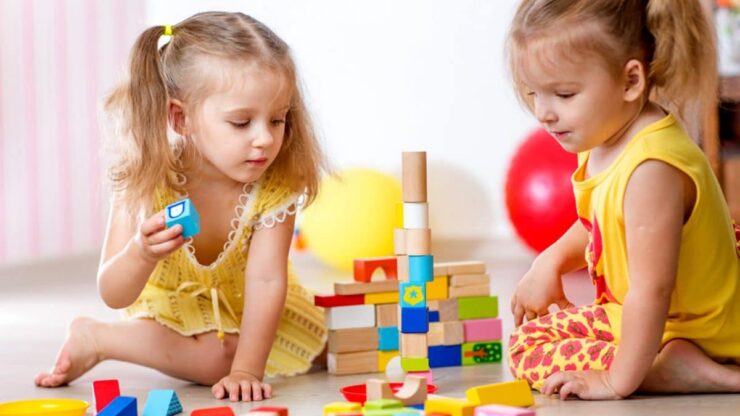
(421, 268)
(433, 316)
(183, 212)
(445, 356)
(388, 338)
(162, 403)
(414, 320)
(120, 406)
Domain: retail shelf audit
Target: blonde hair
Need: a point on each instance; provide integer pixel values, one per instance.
(137, 110)
(671, 38)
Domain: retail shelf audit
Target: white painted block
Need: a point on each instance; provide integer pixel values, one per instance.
(355, 316)
(415, 215)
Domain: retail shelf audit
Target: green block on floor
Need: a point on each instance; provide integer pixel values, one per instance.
(477, 307)
(409, 364)
(383, 404)
(483, 352)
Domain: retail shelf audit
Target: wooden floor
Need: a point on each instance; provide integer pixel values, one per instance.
(37, 302)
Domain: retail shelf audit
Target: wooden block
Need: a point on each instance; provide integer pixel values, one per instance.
(474, 353)
(445, 333)
(399, 241)
(104, 391)
(421, 268)
(386, 315)
(403, 268)
(381, 298)
(356, 316)
(362, 288)
(414, 320)
(352, 340)
(448, 310)
(414, 363)
(383, 405)
(477, 307)
(213, 411)
(352, 362)
(450, 407)
(512, 393)
(445, 356)
(437, 289)
(432, 305)
(415, 215)
(341, 407)
(419, 242)
(378, 389)
(120, 406)
(384, 357)
(388, 339)
(330, 301)
(162, 402)
(269, 411)
(459, 280)
(466, 267)
(498, 410)
(414, 168)
(364, 268)
(440, 269)
(413, 294)
(414, 345)
(470, 291)
(427, 375)
(413, 391)
(482, 329)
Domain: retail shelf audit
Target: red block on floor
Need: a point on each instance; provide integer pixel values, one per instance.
(104, 392)
(213, 411)
(271, 411)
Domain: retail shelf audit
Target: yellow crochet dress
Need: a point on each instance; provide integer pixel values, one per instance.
(192, 298)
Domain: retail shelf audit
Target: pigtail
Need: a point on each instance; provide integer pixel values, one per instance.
(683, 70)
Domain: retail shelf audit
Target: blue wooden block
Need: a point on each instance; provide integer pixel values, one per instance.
(421, 268)
(388, 338)
(445, 356)
(414, 320)
(183, 212)
(412, 294)
(433, 316)
(120, 406)
(162, 403)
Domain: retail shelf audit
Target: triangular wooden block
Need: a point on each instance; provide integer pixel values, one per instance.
(104, 391)
(162, 403)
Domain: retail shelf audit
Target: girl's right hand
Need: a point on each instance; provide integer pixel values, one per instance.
(154, 241)
(539, 288)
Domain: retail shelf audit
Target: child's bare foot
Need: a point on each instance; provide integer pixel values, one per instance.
(78, 355)
(682, 367)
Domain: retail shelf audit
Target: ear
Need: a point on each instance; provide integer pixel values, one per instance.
(635, 80)
(177, 117)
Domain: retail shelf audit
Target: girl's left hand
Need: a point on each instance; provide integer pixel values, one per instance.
(588, 385)
(240, 384)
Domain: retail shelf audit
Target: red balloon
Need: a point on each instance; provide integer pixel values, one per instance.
(539, 194)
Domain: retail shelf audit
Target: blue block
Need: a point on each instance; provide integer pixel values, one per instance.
(445, 356)
(433, 316)
(388, 338)
(412, 294)
(421, 268)
(183, 212)
(162, 403)
(120, 406)
(414, 320)
(417, 406)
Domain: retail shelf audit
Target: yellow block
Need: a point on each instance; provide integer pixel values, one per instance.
(383, 358)
(451, 407)
(378, 298)
(341, 407)
(513, 393)
(437, 289)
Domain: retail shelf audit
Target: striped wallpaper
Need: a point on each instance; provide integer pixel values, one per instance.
(58, 59)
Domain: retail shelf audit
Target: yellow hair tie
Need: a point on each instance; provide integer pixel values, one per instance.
(168, 30)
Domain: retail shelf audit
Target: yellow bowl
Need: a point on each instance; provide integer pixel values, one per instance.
(55, 407)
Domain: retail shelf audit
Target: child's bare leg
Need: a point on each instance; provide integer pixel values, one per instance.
(199, 358)
(682, 367)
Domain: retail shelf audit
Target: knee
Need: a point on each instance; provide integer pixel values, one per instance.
(217, 363)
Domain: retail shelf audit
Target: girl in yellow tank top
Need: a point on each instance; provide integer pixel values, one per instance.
(656, 232)
(224, 307)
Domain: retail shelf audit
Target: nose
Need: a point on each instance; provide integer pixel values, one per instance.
(263, 138)
(544, 112)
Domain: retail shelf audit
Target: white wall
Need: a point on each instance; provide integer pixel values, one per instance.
(383, 76)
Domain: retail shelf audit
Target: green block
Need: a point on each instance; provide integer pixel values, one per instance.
(409, 364)
(483, 352)
(478, 307)
(383, 404)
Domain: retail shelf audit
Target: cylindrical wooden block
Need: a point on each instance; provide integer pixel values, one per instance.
(419, 242)
(414, 176)
(399, 241)
(402, 268)
(415, 215)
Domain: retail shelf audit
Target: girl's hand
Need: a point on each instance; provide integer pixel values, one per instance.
(539, 288)
(588, 385)
(241, 384)
(154, 241)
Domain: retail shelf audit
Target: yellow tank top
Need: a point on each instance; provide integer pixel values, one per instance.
(192, 298)
(705, 304)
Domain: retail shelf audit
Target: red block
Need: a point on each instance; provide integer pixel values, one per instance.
(330, 301)
(213, 411)
(104, 392)
(364, 268)
(277, 411)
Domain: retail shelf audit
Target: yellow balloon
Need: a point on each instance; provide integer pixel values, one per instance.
(353, 216)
